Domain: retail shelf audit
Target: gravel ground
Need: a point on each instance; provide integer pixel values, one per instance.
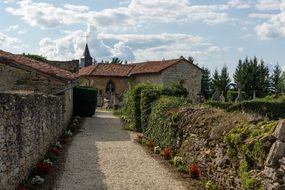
(104, 156)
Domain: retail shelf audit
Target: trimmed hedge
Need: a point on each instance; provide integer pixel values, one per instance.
(270, 109)
(84, 101)
(163, 127)
(273, 109)
(138, 102)
(148, 96)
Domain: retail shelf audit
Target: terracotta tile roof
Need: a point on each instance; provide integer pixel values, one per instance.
(87, 70)
(107, 69)
(153, 66)
(104, 69)
(41, 67)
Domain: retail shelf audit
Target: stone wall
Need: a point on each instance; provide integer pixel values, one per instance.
(274, 170)
(100, 82)
(12, 79)
(72, 66)
(188, 74)
(151, 78)
(29, 123)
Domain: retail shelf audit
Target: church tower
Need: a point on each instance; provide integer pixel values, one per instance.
(87, 59)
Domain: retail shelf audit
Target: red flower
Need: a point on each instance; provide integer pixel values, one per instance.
(54, 150)
(43, 167)
(194, 171)
(167, 153)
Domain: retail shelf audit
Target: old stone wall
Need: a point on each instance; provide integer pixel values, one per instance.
(72, 66)
(12, 79)
(188, 74)
(29, 123)
(151, 78)
(100, 82)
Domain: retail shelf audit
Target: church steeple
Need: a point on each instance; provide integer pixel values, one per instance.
(87, 57)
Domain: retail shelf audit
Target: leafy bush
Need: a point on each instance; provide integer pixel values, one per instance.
(175, 89)
(267, 107)
(138, 101)
(84, 101)
(148, 95)
(163, 121)
(271, 109)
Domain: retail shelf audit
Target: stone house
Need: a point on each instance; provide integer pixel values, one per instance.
(115, 79)
(19, 73)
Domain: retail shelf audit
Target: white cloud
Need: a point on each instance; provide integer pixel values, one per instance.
(268, 5)
(274, 27)
(240, 4)
(72, 46)
(137, 12)
(260, 15)
(7, 42)
(16, 28)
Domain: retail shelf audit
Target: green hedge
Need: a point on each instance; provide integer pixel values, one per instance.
(174, 89)
(163, 120)
(138, 101)
(270, 109)
(148, 96)
(84, 101)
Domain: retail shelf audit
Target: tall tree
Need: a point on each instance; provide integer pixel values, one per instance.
(206, 83)
(252, 77)
(277, 80)
(224, 81)
(215, 84)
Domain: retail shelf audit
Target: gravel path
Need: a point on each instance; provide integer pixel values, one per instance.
(104, 156)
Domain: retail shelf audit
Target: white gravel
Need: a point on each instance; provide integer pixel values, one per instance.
(104, 156)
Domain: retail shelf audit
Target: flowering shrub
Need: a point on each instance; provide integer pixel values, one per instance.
(140, 137)
(156, 149)
(194, 171)
(43, 168)
(167, 153)
(177, 160)
(38, 180)
(54, 150)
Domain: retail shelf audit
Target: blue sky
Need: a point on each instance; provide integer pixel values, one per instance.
(215, 33)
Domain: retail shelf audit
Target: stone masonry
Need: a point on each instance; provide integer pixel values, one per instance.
(274, 169)
(29, 123)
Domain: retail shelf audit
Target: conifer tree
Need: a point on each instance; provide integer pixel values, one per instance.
(206, 83)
